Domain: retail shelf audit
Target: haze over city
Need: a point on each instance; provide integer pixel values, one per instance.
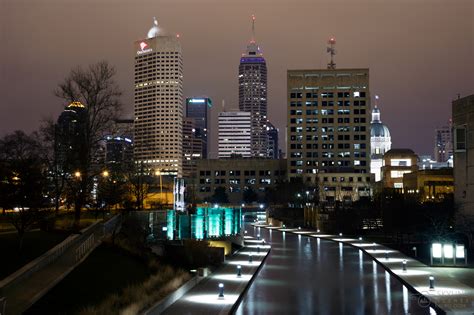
(419, 54)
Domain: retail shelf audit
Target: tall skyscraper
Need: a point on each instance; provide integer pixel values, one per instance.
(192, 147)
(328, 122)
(234, 134)
(273, 150)
(159, 102)
(70, 136)
(443, 149)
(198, 108)
(253, 93)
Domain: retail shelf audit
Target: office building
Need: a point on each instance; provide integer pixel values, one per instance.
(70, 137)
(158, 90)
(192, 147)
(253, 94)
(234, 134)
(119, 144)
(273, 149)
(198, 108)
(237, 175)
(429, 185)
(443, 149)
(463, 129)
(328, 122)
(396, 163)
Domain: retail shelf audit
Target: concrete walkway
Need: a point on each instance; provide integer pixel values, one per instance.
(204, 297)
(448, 295)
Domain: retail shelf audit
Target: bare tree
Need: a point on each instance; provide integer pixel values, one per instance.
(22, 182)
(139, 184)
(96, 89)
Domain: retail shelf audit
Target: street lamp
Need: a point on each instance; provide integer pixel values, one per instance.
(105, 173)
(77, 174)
(221, 290)
(158, 173)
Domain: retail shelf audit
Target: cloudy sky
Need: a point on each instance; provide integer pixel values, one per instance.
(420, 52)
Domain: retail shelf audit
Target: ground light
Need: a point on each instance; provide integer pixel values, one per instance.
(360, 238)
(239, 271)
(404, 265)
(250, 258)
(432, 279)
(386, 255)
(221, 290)
(340, 234)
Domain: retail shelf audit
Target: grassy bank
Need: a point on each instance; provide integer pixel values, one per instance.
(112, 280)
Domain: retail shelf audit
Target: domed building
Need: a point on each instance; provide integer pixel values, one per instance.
(380, 142)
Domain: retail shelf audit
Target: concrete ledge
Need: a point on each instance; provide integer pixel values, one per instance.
(204, 298)
(249, 283)
(166, 302)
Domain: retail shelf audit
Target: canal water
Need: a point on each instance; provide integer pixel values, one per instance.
(305, 275)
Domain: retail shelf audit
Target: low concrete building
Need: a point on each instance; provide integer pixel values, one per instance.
(237, 175)
(463, 130)
(429, 185)
(345, 187)
(396, 163)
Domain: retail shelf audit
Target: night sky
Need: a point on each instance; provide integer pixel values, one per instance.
(420, 55)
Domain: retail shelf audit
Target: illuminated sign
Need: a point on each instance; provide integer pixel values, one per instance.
(459, 251)
(197, 100)
(144, 49)
(448, 251)
(436, 247)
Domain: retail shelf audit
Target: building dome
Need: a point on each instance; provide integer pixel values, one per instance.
(154, 30)
(377, 129)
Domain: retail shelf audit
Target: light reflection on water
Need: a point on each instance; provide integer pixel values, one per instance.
(323, 277)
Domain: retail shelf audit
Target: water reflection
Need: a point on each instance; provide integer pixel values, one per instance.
(300, 277)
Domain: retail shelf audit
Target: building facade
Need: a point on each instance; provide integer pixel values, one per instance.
(119, 144)
(234, 134)
(443, 150)
(198, 108)
(463, 129)
(158, 102)
(70, 136)
(380, 143)
(253, 95)
(396, 163)
(328, 127)
(273, 148)
(237, 175)
(430, 185)
(192, 147)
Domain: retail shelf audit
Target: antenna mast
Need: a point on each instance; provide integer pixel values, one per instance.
(332, 50)
(253, 28)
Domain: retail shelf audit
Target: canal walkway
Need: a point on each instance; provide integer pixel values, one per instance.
(204, 297)
(448, 294)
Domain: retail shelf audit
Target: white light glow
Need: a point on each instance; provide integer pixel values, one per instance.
(459, 251)
(228, 299)
(244, 263)
(448, 250)
(253, 253)
(232, 277)
(410, 272)
(436, 249)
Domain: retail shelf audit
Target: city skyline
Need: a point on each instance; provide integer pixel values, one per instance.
(437, 48)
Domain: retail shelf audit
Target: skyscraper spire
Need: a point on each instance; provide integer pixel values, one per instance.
(253, 29)
(332, 50)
